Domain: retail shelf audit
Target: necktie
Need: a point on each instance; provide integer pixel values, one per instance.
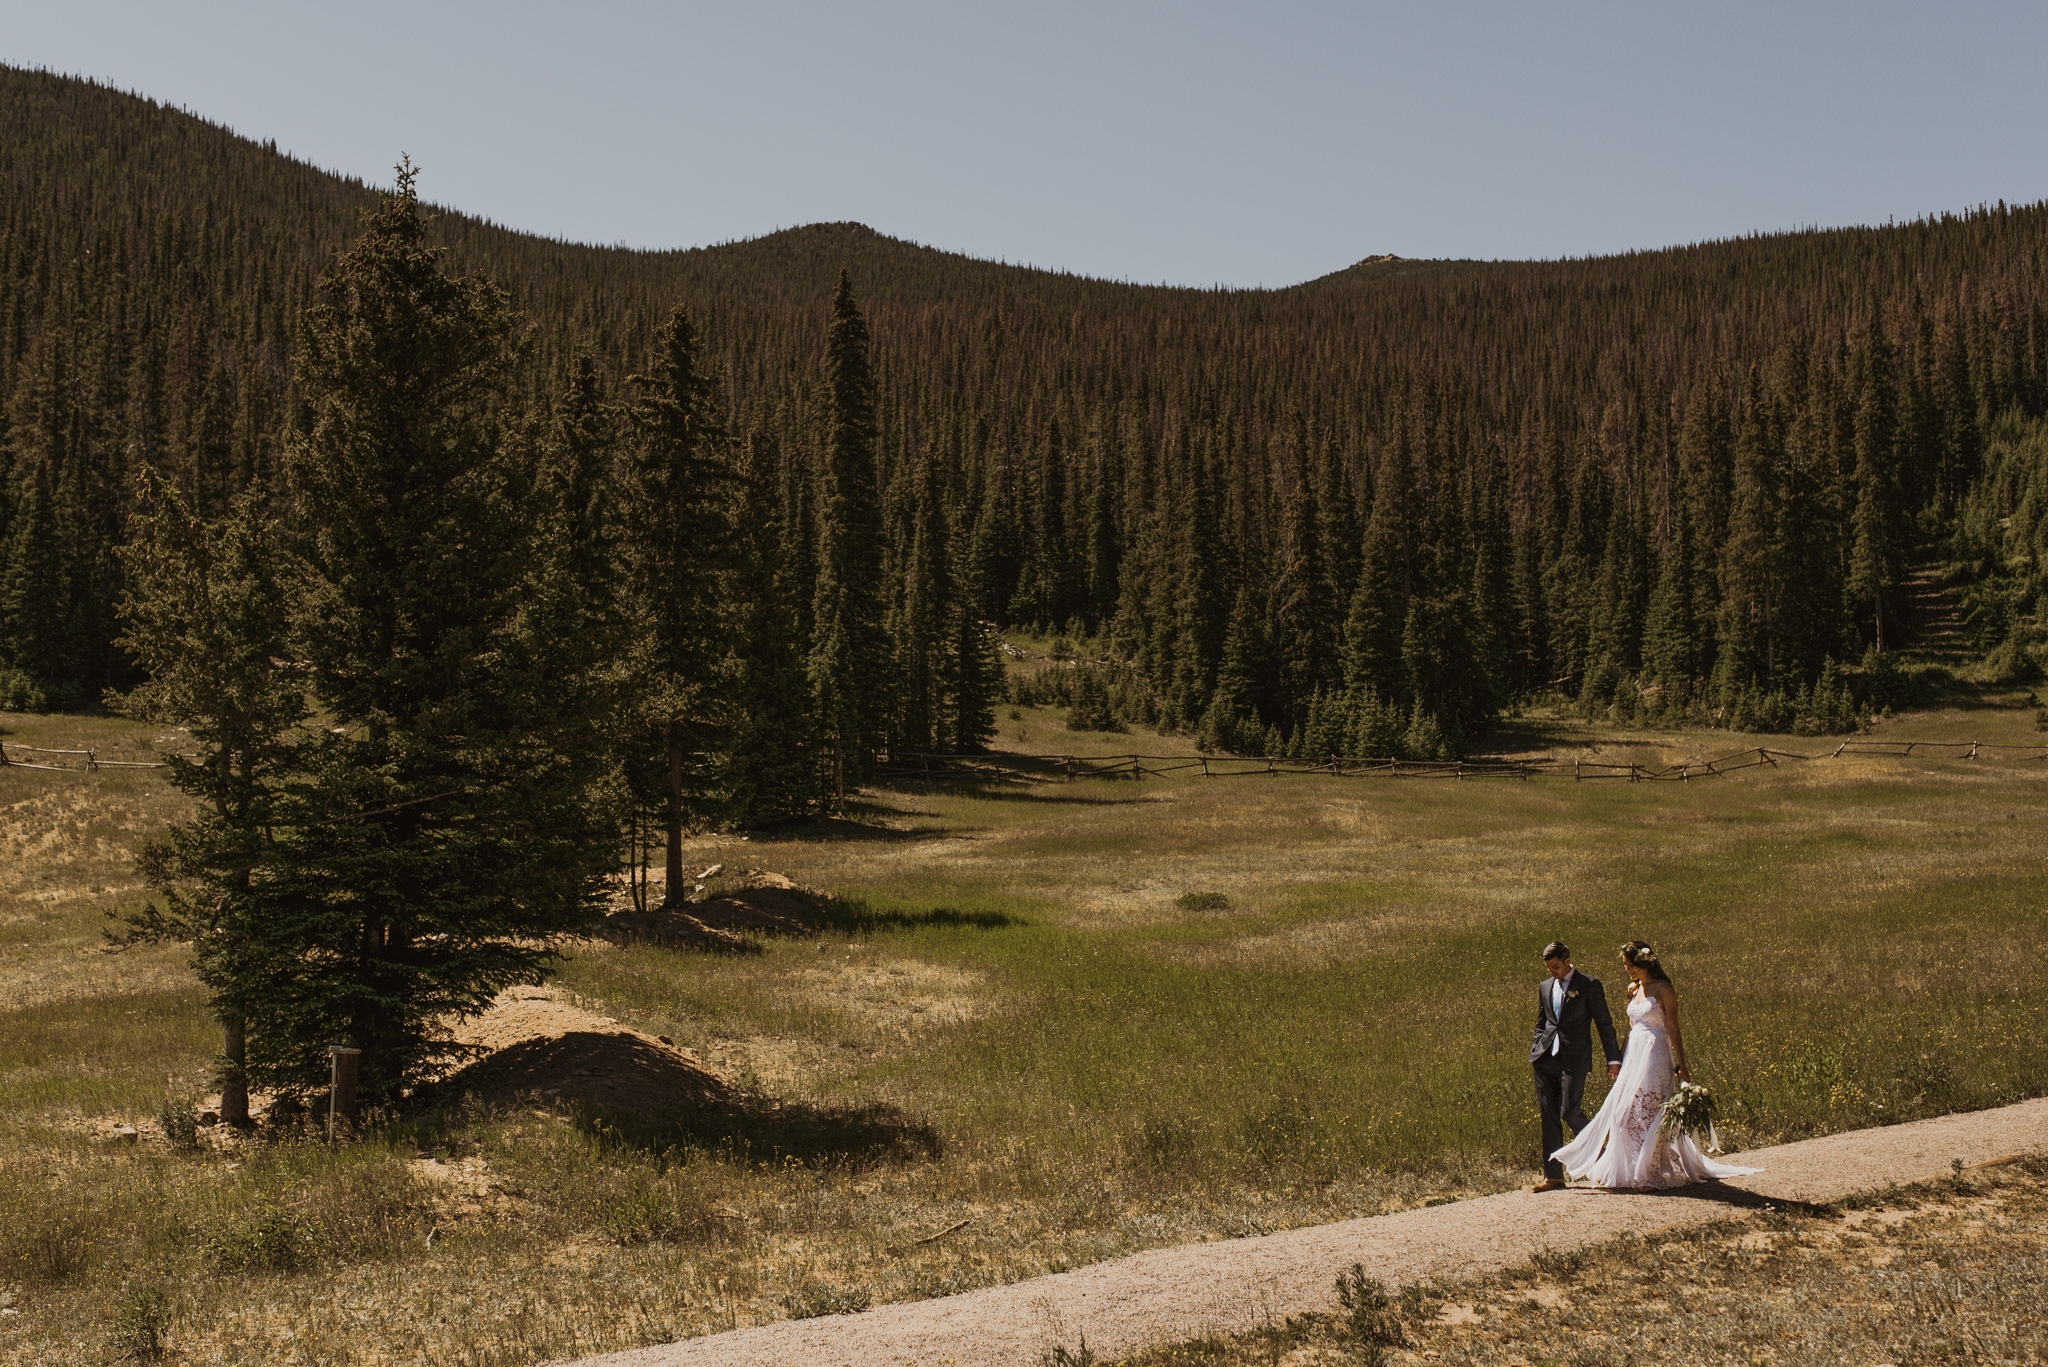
(1556, 1012)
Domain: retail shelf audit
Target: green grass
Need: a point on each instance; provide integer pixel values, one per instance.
(1032, 1011)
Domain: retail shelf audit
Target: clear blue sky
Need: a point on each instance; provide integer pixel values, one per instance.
(1196, 144)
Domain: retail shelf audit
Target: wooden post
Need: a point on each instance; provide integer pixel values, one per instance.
(341, 1088)
(234, 1088)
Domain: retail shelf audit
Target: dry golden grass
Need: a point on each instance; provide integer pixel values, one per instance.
(1022, 1024)
(1943, 1272)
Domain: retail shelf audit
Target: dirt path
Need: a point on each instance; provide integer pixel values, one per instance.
(1173, 1294)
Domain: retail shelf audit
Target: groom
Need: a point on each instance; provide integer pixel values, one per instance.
(1568, 1005)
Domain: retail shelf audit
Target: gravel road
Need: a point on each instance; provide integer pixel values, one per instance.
(1172, 1294)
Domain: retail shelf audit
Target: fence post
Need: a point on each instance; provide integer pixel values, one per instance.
(92, 760)
(1576, 775)
(341, 1088)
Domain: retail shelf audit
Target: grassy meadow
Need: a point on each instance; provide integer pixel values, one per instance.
(1083, 1018)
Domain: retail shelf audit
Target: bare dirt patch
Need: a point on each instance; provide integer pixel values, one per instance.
(545, 1049)
(760, 903)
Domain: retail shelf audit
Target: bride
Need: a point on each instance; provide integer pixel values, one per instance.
(1624, 1147)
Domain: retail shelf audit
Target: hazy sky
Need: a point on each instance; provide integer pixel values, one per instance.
(1196, 144)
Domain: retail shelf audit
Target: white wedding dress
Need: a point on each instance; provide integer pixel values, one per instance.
(1622, 1145)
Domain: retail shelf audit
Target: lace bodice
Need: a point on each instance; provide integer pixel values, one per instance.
(1645, 1014)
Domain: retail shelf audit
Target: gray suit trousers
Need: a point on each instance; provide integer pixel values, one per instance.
(1559, 1095)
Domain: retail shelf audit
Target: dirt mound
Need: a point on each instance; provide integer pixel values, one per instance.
(764, 904)
(553, 1051)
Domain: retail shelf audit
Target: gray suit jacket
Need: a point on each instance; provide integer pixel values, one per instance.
(1585, 1007)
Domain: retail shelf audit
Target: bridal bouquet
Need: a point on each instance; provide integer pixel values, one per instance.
(1691, 1109)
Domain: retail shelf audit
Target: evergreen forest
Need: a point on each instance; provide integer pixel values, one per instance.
(1366, 514)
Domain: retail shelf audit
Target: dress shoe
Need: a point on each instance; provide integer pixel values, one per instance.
(1550, 1184)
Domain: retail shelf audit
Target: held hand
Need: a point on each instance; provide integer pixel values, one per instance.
(1684, 1073)
(1613, 1071)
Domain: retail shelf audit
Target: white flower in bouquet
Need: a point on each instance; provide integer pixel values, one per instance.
(1691, 1109)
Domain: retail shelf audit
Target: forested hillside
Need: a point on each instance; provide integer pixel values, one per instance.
(1356, 514)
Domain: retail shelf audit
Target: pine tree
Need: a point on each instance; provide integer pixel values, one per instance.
(926, 682)
(848, 659)
(1305, 621)
(447, 825)
(1873, 558)
(208, 617)
(35, 597)
(677, 505)
(772, 771)
(1669, 641)
(1751, 569)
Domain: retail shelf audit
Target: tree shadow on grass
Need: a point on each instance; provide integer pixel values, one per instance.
(625, 1089)
(987, 788)
(751, 1130)
(856, 918)
(835, 829)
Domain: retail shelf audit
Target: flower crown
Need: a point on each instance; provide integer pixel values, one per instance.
(1631, 954)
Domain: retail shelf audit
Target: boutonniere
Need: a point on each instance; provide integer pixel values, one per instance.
(1569, 995)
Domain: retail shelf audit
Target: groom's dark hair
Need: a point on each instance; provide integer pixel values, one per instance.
(1557, 949)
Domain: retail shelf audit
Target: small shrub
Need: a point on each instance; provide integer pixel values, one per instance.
(1562, 1264)
(639, 1217)
(142, 1325)
(1284, 1130)
(179, 1121)
(1369, 1313)
(269, 1239)
(52, 1248)
(19, 693)
(1168, 1142)
(814, 1300)
(1058, 1356)
(1202, 901)
(1927, 1079)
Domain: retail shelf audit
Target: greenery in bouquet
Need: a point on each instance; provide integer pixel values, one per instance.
(1690, 1109)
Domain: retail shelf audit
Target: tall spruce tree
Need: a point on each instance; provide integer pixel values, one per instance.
(926, 670)
(1873, 556)
(208, 617)
(771, 762)
(35, 595)
(679, 534)
(445, 826)
(849, 650)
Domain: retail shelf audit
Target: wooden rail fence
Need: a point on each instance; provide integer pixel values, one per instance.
(1006, 765)
(1349, 766)
(91, 757)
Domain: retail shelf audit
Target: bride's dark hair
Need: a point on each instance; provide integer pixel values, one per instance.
(1639, 953)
